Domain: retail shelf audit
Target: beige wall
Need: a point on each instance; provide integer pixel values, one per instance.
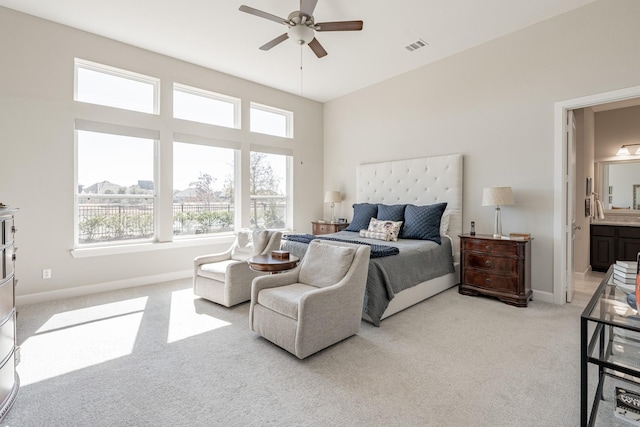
(37, 115)
(615, 128)
(495, 104)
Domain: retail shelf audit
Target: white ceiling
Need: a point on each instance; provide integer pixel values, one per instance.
(215, 34)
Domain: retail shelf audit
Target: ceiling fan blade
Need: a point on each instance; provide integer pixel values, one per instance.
(262, 14)
(308, 6)
(339, 26)
(274, 42)
(317, 48)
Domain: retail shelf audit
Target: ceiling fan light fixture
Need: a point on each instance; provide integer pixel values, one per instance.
(301, 34)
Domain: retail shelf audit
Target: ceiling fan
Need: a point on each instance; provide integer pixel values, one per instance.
(302, 26)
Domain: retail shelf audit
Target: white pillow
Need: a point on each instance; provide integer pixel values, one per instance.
(244, 247)
(444, 223)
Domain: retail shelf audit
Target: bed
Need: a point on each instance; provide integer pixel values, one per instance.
(421, 268)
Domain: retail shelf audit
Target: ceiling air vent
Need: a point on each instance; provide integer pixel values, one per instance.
(416, 45)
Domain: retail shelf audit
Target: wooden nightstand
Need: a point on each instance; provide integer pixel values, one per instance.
(496, 267)
(328, 227)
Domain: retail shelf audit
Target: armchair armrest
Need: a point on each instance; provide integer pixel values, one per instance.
(207, 259)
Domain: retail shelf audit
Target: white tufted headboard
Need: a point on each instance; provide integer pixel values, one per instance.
(421, 181)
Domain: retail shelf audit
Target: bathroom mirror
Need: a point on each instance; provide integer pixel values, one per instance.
(619, 185)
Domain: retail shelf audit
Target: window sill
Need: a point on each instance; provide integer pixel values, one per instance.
(149, 246)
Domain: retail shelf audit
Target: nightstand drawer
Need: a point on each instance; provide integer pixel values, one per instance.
(490, 263)
(324, 228)
(490, 246)
(492, 281)
(327, 227)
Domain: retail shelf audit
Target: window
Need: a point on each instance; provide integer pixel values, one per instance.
(271, 121)
(269, 189)
(203, 189)
(215, 179)
(103, 85)
(205, 107)
(116, 188)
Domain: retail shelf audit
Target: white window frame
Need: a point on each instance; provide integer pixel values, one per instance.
(117, 72)
(288, 185)
(85, 125)
(236, 102)
(198, 140)
(287, 114)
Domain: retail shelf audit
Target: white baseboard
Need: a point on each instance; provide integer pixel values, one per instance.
(542, 296)
(100, 287)
(582, 275)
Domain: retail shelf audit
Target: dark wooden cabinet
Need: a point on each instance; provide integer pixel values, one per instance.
(496, 267)
(9, 381)
(328, 227)
(610, 243)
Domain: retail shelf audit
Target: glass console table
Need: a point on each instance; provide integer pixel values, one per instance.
(610, 339)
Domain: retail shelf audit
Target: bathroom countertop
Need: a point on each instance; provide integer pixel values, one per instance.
(625, 223)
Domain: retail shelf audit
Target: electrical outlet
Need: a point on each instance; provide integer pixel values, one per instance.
(46, 273)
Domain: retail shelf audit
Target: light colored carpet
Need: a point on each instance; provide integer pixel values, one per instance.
(157, 356)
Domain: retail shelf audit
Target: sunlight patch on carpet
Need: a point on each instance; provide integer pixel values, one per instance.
(77, 339)
(184, 322)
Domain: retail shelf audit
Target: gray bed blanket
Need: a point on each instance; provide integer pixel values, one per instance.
(417, 261)
(377, 250)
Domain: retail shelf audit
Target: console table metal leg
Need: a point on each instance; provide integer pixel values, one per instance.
(583, 372)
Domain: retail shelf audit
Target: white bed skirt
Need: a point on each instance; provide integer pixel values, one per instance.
(420, 292)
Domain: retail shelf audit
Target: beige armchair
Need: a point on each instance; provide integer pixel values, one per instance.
(225, 278)
(315, 305)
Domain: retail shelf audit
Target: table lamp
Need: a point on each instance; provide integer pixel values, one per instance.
(332, 197)
(497, 196)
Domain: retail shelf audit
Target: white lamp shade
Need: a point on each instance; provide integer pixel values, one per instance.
(623, 151)
(332, 197)
(497, 196)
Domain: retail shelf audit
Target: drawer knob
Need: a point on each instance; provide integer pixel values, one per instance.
(487, 263)
(487, 248)
(487, 281)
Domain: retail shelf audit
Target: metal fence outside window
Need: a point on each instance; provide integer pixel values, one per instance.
(122, 220)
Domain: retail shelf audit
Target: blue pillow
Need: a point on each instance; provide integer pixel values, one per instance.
(423, 222)
(362, 214)
(391, 212)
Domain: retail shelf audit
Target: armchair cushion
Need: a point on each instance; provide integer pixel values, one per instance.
(324, 264)
(284, 299)
(215, 270)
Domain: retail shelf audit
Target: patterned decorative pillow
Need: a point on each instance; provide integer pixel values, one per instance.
(375, 235)
(392, 228)
(423, 222)
(362, 214)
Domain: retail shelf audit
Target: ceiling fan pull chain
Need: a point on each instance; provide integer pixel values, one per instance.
(300, 70)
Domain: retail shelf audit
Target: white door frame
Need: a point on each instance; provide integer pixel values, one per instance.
(559, 189)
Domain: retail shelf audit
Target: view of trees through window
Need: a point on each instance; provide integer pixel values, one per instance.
(202, 201)
(118, 174)
(267, 182)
